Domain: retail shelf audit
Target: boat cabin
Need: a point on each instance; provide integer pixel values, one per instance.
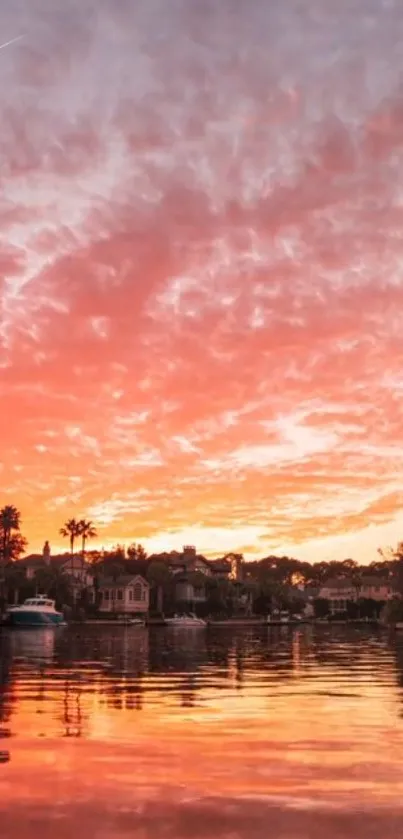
(40, 602)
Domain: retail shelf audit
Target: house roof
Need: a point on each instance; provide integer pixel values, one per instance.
(36, 561)
(372, 580)
(31, 561)
(223, 565)
(178, 560)
(340, 583)
(60, 561)
(122, 581)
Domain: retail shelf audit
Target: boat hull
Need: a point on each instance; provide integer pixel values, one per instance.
(185, 624)
(26, 619)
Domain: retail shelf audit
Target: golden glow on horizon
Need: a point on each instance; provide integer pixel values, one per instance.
(201, 277)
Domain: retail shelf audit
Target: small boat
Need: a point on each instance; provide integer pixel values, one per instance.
(35, 612)
(279, 619)
(190, 620)
(135, 622)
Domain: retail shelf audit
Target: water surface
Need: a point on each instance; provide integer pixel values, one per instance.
(118, 732)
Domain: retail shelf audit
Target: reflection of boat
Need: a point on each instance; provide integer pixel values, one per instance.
(185, 620)
(125, 621)
(35, 612)
(236, 622)
(31, 646)
(279, 618)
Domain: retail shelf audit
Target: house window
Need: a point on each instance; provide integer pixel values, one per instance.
(138, 592)
(130, 594)
(120, 594)
(106, 594)
(112, 594)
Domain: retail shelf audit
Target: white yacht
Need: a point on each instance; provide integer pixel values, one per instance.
(190, 620)
(37, 611)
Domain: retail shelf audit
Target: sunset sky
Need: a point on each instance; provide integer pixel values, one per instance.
(201, 284)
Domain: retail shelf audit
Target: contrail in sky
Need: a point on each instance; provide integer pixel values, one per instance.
(13, 40)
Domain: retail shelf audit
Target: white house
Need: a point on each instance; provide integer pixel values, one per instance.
(125, 595)
(339, 592)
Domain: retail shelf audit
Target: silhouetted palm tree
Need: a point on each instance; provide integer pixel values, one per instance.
(86, 531)
(71, 531)
(9, 521)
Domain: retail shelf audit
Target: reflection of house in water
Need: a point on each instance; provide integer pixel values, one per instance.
(397, 648)
(179, 648)
(187, 689)
(126, 654)
(72, 716)
(7, 695)
(175, 660)
(112, 662)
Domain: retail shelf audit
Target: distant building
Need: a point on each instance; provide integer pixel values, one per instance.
(339, 592)
(185, 561)
(220, 568)
(376, 588)
(190, 589)
(74, 567)
(125, 595)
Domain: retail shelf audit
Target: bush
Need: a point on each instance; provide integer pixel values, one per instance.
(392, 611)
(321, 607)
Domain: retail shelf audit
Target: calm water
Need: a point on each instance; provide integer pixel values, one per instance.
(127, 732)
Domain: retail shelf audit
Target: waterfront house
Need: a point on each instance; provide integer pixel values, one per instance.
(221, 568)
(31, 565)
(72, 566)
(185, 561)
(124, 595)
(75, 567)
(190, 589)
(339, 592)
(188, 561)
(376, 588)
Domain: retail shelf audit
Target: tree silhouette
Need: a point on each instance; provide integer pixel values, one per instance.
(86, 531)
(136, 551)
(10, 519)
(71, 531)
(12, 543)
